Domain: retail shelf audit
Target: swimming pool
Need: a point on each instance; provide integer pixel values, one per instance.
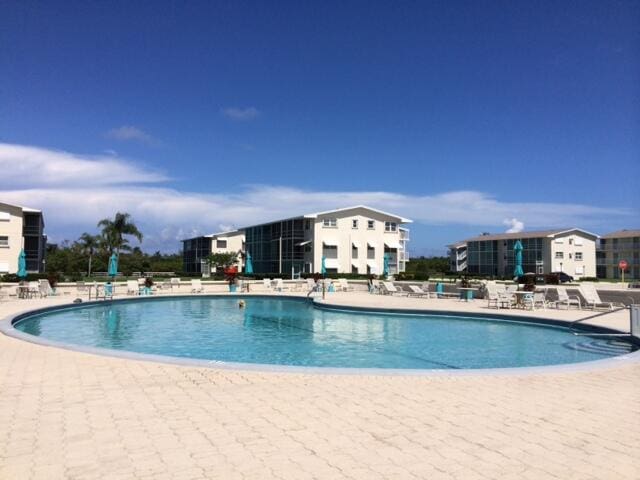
(292, 332)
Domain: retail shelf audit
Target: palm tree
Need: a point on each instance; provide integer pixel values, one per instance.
(114, 230)
(89, 244)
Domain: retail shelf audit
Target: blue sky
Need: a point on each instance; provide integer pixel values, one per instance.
(466, 116)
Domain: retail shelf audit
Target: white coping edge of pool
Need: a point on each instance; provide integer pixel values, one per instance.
(6, 327)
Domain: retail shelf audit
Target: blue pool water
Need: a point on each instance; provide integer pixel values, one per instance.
(293, 332)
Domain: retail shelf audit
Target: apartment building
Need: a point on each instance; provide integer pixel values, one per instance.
(572, 251)
(196, 250)
(617, 246)
(21, 227)
(352, 240)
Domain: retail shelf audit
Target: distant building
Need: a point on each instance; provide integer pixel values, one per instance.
(352, 240)
(21, 227)
(196, 250)
(616, 246)
(572, 251)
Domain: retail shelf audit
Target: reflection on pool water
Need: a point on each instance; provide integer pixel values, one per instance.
(288, 331)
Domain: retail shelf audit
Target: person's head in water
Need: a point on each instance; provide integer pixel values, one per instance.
(241, 304)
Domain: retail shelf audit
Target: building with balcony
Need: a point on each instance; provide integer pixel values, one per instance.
(572, 251)
(458, 257)
(617, 246)
(21, 227)
(352, 240)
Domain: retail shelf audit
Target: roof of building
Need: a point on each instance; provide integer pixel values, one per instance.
(337, 210)
(622, 234)
(24, 209)
(228, 232)
(458, 244)
(520, 235)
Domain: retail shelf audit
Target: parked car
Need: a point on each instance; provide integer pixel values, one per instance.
(563, 277)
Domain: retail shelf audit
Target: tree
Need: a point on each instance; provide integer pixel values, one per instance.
(224, 260)
(89, 244)
(114, 231)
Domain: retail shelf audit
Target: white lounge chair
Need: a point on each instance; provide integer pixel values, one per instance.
(565, 299)
(266, 283)
(132, 287)
(280, 286)
(175, 283)
(344, 285)
(417, 291)
(592, 299)
(389, 288)
(196, 286)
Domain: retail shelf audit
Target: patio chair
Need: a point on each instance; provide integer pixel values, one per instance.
(44, 287)
(266, 283)
(376, 286)
(33, 289)
(175, 282)
(592, 299)
(565, 299)
(132, 287)
(389, 288)
(280, 286)
(343, 285)
(196, 286)
(499, 297)
(417, 291)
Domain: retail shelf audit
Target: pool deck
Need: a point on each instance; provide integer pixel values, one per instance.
(73, 415)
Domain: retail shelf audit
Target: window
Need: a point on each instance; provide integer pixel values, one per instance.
(221, 244)
(559, 254)
(354, 223)
(371, 224)
(390, 226)
(307, 224)
(330, 222)
(4, 241)
(578, 256)
(570, 241)
(307, 248)
(354, 253)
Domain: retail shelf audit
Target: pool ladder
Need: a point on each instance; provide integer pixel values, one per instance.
(586, 333)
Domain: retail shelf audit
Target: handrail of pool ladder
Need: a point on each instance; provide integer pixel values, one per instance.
(576, 332)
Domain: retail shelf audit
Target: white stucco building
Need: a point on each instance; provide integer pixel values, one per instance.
(21, 227)
(352, 240)
(572, 251)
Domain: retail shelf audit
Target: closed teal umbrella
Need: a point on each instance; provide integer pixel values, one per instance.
(517, 247)
(385, 265)
(113, 265)
(323, 268)
(248, 266)
(22, 264)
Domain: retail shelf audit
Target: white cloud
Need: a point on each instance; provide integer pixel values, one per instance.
(515, 225)
(76, 191)
(130, 133)
(241, 114)
(32, 166)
